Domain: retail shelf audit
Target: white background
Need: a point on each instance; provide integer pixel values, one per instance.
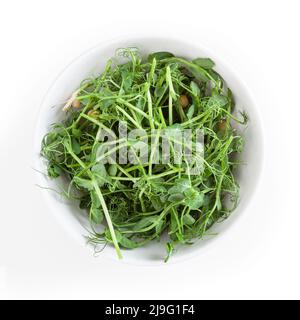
(259, 257)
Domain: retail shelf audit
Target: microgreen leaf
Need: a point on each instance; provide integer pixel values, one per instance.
(96, 215)
(83, 183)
(160, 55)
(205, 63)
(188, 220)
(76, 146)
(195, 88)
(194, 198)
(191, 112)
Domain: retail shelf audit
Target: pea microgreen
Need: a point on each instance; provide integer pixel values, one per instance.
(136, 203)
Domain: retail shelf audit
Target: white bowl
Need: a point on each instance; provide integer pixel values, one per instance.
(92, 63)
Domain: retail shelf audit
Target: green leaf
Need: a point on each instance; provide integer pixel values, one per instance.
(124, 241)
(159, 91)
(99, 172)
(205, 63)
(174, 224)
(96, 214)
(160, 226)
(141, 103)
(194, 199)
(75, 146)
(95, 199)
(113, 170)
(160, 55)
(195, 89)
(197, 71)
(127, 79)
(156, 202)
(76, 132)
(145, 222)
(128, 243)
(54, 171)
(83, 183)
(180, 185)
(217, 100)
(191, 112)
(176, 197)
(99, 169)
(188, 220)
(214, 74)
(157, 185)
